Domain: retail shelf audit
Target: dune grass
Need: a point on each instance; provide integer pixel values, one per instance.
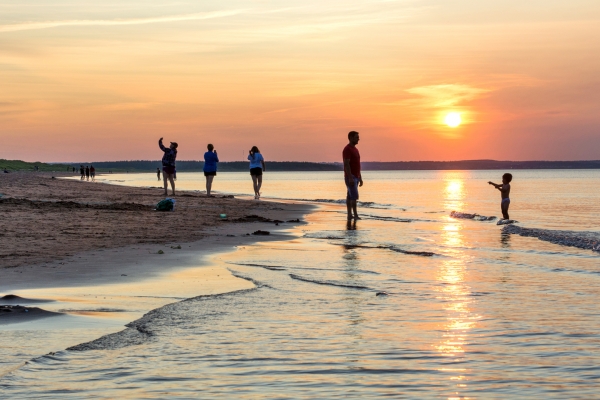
(18, 165)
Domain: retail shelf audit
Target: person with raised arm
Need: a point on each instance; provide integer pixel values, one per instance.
(504, 189)
(168, 163)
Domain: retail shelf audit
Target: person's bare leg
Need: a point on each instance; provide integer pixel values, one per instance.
(259, 184)
(172, 180)
(504, 208)
(349, 207)
(209, 180)
(165, 182)
(354, 209)
(255, 184)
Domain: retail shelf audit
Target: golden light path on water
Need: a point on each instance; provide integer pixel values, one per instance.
(455, 294)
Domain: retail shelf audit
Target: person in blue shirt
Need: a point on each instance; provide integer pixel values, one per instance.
(210, 167)
(257, 167)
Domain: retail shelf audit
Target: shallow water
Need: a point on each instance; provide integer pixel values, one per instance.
(487, 315)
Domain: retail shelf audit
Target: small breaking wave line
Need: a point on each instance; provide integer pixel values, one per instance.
(328, 283)
(391, 248)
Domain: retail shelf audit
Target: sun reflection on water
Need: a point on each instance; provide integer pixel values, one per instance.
(454, 190)
(453, 291)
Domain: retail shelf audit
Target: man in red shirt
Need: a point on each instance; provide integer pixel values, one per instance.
(352, 175)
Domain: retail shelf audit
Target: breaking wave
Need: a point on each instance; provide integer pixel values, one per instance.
(581, 240)
(328, 283)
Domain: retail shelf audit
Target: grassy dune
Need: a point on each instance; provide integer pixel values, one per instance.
(18, 165)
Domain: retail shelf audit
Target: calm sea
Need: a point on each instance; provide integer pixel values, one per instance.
(486, 316)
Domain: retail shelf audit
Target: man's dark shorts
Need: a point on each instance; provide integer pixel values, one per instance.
(352, 189)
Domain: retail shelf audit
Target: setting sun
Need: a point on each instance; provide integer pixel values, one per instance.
(452, 119)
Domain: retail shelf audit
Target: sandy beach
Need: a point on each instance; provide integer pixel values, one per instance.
(80, 260)
(47, 219)
(60, 233)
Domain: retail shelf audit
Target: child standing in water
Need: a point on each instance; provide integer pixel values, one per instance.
(504, 189)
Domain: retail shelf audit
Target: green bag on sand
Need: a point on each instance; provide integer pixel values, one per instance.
(166, 205)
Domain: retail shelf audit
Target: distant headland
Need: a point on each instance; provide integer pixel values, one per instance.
(242, 166)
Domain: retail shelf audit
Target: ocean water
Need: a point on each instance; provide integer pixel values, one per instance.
(408, 302)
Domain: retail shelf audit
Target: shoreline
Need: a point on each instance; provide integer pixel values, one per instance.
(52, 219)
(98, 290)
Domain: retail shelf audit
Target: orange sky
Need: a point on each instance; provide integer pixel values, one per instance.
(92, 81)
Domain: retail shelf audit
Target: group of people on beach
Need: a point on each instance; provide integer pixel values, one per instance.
(211, 159)
(352, 173)
(87, 172)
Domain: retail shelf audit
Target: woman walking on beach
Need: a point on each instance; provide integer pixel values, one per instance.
(168, 162)
(257, 166)
(210, 167)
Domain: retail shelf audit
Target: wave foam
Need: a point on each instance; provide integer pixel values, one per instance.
(328, 283)
(476, 217)
(392, 248)
(581, 240)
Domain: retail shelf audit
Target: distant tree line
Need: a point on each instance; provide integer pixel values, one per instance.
(478, 164)
(196, 166)
(242, 166)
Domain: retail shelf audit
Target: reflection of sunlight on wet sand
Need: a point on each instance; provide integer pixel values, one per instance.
(453, 291)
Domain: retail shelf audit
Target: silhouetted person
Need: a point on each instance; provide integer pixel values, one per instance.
(352, 175)
(168, 162)
(87, 173)
(210, 167)
(158, 173)
(257, 167)
(93, 172)
(504, 189)
(82, 171)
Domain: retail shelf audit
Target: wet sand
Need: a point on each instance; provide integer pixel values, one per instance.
(64, 240)
(46, 219)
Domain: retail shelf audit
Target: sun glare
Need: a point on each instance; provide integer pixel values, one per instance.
(452, 119)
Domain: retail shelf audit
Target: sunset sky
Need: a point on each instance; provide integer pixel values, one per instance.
(91, 81)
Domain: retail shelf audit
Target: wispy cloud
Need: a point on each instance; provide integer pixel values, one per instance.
(116, 22)
(447, 95)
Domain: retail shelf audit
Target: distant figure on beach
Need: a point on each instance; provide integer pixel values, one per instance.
(93, 172)
(82, 171)
(73, 169)
(158, 173)
(87, 173)
(352, 175)
(504, 189)
(210, 167)
(6, 171)
(168, 163)
(257, 167)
